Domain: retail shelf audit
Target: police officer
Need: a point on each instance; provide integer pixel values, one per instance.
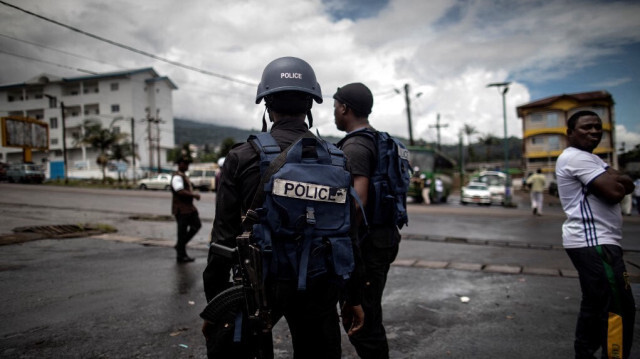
(288, 87)
(379, 244)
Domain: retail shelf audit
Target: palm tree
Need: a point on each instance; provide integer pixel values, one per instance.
(120, 152)
(489, 141)
(102, 139)
(469, 130)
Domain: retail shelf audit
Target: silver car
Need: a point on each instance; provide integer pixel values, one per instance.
(161, 181)
(476, 192)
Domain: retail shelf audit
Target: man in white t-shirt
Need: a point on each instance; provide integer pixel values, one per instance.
(590, 192)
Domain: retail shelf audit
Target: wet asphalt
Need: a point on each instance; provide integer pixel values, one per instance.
(122, 295)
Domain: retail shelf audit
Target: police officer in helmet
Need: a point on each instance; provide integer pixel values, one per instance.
(288, 88)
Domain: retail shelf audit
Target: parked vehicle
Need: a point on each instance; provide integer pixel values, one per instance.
(25, 172)
(553, 188)
(3, 171)
(476, 192)
(203, 179)
(429, 164)
(161, 181)
(496, 182)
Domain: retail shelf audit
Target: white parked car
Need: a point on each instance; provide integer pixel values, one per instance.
(161, 181)
(476, 192)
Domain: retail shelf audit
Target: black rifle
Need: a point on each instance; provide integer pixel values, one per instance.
(247, 279)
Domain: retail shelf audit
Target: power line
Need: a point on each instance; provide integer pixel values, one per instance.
(49, 62)
(60, 51)
(127, 47)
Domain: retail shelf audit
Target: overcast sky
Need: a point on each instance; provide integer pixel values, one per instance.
(446, 50)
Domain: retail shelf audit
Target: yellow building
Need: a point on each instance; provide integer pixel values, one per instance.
(544, 128)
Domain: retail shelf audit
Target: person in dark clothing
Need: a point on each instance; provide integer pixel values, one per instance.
(185, 212)
(379, 243)
(288, 87)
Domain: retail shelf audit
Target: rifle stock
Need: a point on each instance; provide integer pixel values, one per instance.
(250, 258)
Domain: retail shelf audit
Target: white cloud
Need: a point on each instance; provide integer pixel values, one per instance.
(630, 139)
(446, 49)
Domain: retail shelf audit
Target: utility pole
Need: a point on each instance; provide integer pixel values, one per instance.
(64, 143)
(461, 154)
(437, 127)
(64, 135)
(133, 149)
(408, 103)
(150, 141)
(503, 88)
(157, 122)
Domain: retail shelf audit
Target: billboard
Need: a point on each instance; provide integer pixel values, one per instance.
(24, 132)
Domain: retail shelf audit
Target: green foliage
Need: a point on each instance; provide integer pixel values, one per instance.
(105, 140)
(225, 147)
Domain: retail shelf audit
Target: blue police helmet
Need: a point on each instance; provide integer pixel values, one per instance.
(288, 74)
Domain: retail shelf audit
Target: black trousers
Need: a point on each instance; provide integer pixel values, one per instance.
(312, 317)
(371, 341)
(188, 225)
(600, 297)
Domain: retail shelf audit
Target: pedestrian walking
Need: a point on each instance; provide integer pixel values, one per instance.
(183, 209)
(590, 192)
(380, 239)
(439, 188)
(536, 183)
(308, 302)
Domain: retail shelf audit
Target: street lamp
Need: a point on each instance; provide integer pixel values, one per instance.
(503, 88)
(54, 101)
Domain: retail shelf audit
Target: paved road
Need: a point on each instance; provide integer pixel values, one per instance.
(123, 296)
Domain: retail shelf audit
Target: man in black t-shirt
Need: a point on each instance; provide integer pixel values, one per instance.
(379, 244)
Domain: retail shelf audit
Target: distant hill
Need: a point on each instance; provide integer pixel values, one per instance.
(200, 133)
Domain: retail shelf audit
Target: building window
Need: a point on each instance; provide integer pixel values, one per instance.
(115, 108)
(536, 117)
(115, 86)
(53, 122)
(553, 143)
(54, 141)
(53, 102)
(552, 119)
(116, 130)
(537, 140)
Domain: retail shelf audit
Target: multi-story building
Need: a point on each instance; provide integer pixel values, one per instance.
(544, 127)
(137, 102)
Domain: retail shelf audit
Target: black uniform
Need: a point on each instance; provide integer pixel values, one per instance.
(311, 314)
(379, 248)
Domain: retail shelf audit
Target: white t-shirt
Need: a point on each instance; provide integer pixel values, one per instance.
(590, 220)
(177, 183)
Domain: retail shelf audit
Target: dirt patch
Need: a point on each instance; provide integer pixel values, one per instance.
(27, 234)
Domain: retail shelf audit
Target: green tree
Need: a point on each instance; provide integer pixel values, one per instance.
(121, 152)
(489, 141)
(102, 139)
(178, 152)
(226, 146)
(469, 130)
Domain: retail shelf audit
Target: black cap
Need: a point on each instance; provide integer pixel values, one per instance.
(357, 96)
